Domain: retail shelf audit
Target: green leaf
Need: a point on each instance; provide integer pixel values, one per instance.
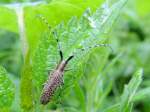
(95, 83)
(8, 19)
(44, 59)
(76, 33)
(130, 91)
(113, 108)
(125, 104)
(6, 91)
(142, 94)
(143, 7)
(26, 88)
(80, 96)
(55, 12)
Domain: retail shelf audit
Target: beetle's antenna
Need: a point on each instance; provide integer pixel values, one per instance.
(70, 57)
(54, 34)
(91, 47)
(97, 45)
(60, 51)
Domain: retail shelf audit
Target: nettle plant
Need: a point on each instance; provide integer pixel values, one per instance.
(74, 41)
(67, 46)
(66, 70)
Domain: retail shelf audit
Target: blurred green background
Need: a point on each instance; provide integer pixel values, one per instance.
(129, 38)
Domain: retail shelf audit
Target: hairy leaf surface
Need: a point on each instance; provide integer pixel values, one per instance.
(6, 90)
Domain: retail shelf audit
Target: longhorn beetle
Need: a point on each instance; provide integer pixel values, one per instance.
(55, 79)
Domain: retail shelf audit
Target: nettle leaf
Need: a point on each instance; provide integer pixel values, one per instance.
(55, 12)
(77, 34)
(6, 90)
(130, 91)
(44, 59)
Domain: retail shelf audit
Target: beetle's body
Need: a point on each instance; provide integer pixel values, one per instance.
(54, 81)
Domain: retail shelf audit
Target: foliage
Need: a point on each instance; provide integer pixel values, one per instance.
(45, 54)
(10, 56)
(129, 91)
(125, 103)
(99, 80)
(26, 86)
(53, 13)
(6, 90)
(9, 24)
